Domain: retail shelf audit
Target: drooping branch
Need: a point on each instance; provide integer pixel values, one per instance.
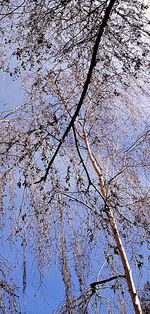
(8, 288)
(85, 87)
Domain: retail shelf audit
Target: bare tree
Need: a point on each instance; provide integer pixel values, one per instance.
(78, 149)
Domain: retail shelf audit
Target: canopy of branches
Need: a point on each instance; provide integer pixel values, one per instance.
(84, 70)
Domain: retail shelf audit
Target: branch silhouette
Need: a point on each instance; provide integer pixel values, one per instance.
(85, 87)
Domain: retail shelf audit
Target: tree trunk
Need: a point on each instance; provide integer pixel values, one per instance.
(115, 231)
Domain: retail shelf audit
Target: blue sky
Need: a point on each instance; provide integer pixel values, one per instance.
(39, 299)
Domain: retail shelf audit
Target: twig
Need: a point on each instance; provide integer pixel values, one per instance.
(11, 12)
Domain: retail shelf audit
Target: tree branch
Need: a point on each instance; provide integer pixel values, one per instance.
(80, 156)
(11, 12)
(94, 284)
(85, 87)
